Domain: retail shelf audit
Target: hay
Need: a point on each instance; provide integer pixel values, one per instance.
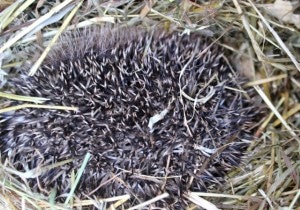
(265, 48)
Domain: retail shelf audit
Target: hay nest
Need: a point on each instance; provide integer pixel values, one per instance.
(263, 49)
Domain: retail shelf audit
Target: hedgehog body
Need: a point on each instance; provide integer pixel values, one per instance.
(158, 112)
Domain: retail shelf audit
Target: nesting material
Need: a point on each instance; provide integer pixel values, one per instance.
(158, 112)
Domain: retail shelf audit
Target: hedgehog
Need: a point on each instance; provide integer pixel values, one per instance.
(157, 111)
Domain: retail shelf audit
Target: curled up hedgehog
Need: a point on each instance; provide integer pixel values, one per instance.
(158, 112)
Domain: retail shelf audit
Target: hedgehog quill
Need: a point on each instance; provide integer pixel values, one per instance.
(158, 112)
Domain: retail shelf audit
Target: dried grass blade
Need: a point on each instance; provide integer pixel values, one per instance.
(24, 106)
(6, 14)
(37, 64)
(201, 202)
(78, 176)
(289, 113)
(266, 80)
(246, 24)
(37, 100)
(276, 36)
(274, 110)
(17, 12)
(33, 173)
(157, 198)
(295, 199)
(25, 31)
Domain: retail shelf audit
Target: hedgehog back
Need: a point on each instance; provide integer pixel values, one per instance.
(119, 79)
